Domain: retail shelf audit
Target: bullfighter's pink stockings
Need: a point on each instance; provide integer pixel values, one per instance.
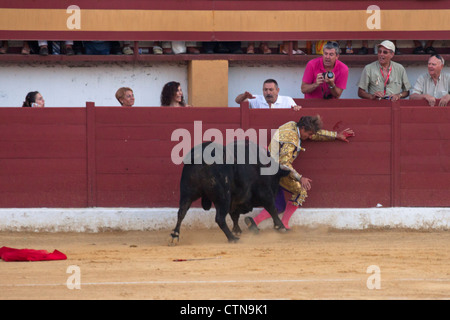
(290, 209)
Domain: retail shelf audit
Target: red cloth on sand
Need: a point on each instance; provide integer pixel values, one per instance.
(11, 254)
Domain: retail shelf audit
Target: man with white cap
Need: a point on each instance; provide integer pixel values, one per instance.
(384, 78)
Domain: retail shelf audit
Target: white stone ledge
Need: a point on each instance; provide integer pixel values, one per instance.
(136, 219)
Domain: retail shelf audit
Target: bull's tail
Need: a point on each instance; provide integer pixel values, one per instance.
(206, 203)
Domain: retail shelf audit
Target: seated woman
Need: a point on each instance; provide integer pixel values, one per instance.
(172, 95)
(34, 99)
(125, 97)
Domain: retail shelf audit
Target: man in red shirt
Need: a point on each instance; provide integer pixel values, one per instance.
(325, 77)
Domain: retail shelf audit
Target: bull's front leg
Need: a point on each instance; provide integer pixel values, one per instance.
(235, 218)
(221, 213)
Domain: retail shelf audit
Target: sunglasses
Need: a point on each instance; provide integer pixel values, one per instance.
(438, 56)
(333, 43)
(384, 51)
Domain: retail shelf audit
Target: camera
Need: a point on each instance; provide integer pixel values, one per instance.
(328, 74)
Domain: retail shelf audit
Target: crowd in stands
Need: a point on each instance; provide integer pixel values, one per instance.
(45, 48)
(171, 96)
(325, 77)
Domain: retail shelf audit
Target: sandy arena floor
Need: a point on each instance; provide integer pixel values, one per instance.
(302, 264)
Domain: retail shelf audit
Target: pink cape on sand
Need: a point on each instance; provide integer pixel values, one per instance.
(11, 254)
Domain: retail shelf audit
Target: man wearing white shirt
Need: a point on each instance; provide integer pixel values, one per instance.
(270, 98)
(434, 84)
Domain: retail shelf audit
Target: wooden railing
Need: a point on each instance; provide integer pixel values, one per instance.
(121, 157)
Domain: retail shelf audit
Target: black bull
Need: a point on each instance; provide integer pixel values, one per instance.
(234, 188)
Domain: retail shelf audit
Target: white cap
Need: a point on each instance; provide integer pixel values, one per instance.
(388, 45)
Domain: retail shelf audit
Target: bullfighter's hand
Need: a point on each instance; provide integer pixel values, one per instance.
(306, 183)
(344, 134)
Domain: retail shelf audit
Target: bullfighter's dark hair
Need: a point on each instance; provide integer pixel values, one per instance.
(271, 81)
(30, 98)
(310, 123)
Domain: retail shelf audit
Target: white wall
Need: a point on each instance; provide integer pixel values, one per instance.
(130, 219)
(71, 85)
(65, 85)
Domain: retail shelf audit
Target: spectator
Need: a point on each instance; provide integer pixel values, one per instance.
(172, 95)
(5, 46)
(191, 47)
(419, 49)
(364, 47)
(157, 49)
(178, 47)
(384, 79)
(318, 46)
(97, 47)
(127, 49)
(349, 47)
(78, 47)
(263, 46)
(397, 50)
(434, 84)
(363, 50)
(34, 99)
(284, 48)
(325, 77)
(125, 96)
(56, 48)
(270, 98)
(233, 47)
(26, 48)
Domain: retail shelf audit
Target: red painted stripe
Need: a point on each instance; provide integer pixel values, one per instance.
(330, 5)
(227, 5)
(337, 35)
(112, 4)
(221, 36)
